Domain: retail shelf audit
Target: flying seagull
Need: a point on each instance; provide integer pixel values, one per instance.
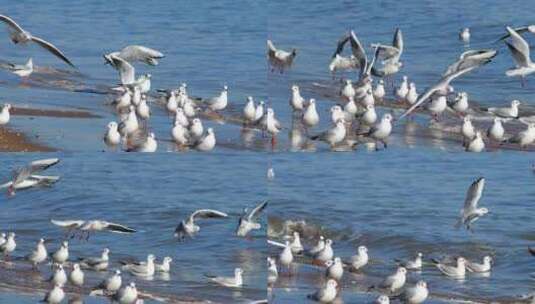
(470, 212)
(133, 53)
(26, 177)
(189, 228)
(91, 225)
(247, 222)
(19, 35)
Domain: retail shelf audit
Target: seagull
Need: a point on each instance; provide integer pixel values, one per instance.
(55, 296)
(59, 277)
(76, 277)
(470, 212)
(127, 294)
(480, 268)
(369, 117)
(438, 104)
(318, 247)
(441, 87)
(522, 29)
(219, 102)
(278, 58)
(112, 137)
(457, 271)
(141, 269)
(38, 255)
(460, 104)
(130, 124)
(296, 245)
(519, 49)
(348, 91)
(381, 130)
(272, 126)
(415, 264)
(233, 282)
(379, 92)
(206, 142)
(91, 226)
(172, 103)
(9, 245)
(360, 259)
(403, 90)
(270, 174)
(126, 71)
(415, 294)
(496, 131)
(325, 294)
(395, 281)
(367, 98)
(259, 111)
(133, 53)
(188, 228)
(18, 35)
(470, 58)
(141, 141)
(464, 35)
(335, 269)
(98, 263)
(247, 221)
(180, 134)
(350, 108)
(326, 254)
(286, 256)
(334, 135)
(339, 62)
(22, 70)
(506, 112)
(411, 95)
(196, 129)
(311, 117)
(112, 283)
(143, 110)
(62, 254)
(181, 117)
(467, 129)
(476, 144)
(165, 266)
(296, 101)
(26, 177)
(249, 110)
(525, 137)
(391, 53)
(4, 114)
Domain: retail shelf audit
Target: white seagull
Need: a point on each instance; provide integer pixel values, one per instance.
(248, 221)
(233, 282)
(96, 263)
(470, 212)
(18, 35)
(4, 114)
(26, 177)
(188, 228)
(280, 59)
(133, 53)
(22, 70)
(521, 55)
(327, 293)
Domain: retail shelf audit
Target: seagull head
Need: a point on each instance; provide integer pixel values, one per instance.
(421, 284)
(401, 270)
(7, 106)
(112, 125)
(515, 103)
(362, 249)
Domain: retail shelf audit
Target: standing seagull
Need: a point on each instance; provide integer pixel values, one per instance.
(470, 212)
(189, 228)
(278, 58)
(19, 35)
(247, 221)
(5, 116)
(134, 53)
(520, 51)
(415, 294)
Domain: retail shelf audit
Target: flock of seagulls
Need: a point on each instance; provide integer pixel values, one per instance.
(395, 285)
(60, 260)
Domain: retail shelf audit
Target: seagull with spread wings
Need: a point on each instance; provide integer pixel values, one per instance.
(86, 227)
(521, 55)
(470, 212)
(189, 228)
(26, 177)
(248, 221)
(19, 35)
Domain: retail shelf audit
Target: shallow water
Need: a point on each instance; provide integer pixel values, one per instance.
(396, 202)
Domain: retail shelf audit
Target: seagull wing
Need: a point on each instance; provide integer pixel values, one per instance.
(359, 52)
(518, 30)
(473, 195)
(271, 48)
(207, 213)
(340, 46)
(114, 227)
(139, 52)
(42, 164)
(52, 49)
(11, 23)
(126, 70)
(398, 41)
(256, 211)
(68, 224)
(276, 244)
(445, 80)
(521, 55)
